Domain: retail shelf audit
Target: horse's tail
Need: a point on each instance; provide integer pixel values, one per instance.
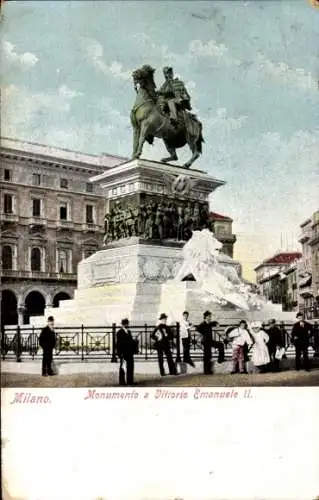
(200, 140)
(194, 132)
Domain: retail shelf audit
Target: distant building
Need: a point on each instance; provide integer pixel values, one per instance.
(51, 217)
(289, 287)
(222, 227)
(271, 274)
(308, 267)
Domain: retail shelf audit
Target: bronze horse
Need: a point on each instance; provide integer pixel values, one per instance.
(149, 121)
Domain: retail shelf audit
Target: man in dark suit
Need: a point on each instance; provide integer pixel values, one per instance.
(126, 347)
(206, 331)
(47, 341)
(275, 341)
(300, 334)
(162, 336)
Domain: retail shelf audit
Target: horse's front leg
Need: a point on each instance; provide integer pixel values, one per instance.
(141, 140)
(136, 137)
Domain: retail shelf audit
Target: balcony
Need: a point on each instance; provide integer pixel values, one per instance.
(64, 225)
(37, 222)
(9, 218)
(314, 238)
(305, 235)
(37, 275)
(89, 227)
(304, 267)
(225, 237)
(305, 287)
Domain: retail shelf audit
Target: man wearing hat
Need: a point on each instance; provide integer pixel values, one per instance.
(162, 336)
(206, 331)
(174, 93)
(47, 341)
(185, 335)
(241, 342)
(300, 334)
(126, 347)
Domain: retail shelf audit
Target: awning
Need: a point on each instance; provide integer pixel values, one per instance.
(305, 282)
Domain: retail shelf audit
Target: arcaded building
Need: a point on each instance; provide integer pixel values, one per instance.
(51, 217)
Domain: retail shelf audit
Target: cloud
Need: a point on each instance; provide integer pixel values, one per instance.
(26, 60)
(211, 49)
(95, 55)
(65, 92)
(259, 67)
(278, 163)
(282, 72)
(225, 123)
(22, 108)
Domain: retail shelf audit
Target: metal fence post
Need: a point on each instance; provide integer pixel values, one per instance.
(145, 342)
(3, 342)
(114, 358)
(18, 345)
(82, 342)
(316, 339)
(283, 333)
(178, 343)
(32, 347)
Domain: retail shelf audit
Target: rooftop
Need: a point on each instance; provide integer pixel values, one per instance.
(35, 149)
(280, 258)
(216, 216)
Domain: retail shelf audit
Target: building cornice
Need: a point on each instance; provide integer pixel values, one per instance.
(63, 192)
(60, 155)
(53, 163)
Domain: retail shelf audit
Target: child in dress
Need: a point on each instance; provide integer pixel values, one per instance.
(260, 354)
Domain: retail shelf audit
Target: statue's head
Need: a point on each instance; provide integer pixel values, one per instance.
(148, 70)
(168, 72)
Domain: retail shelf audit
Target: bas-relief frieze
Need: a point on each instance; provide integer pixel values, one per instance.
(129, 269)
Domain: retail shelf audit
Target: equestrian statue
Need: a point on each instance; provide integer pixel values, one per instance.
(164, 113)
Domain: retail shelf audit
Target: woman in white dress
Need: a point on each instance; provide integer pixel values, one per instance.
(260, 354)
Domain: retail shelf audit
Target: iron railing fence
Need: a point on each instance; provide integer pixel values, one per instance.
(81, 343)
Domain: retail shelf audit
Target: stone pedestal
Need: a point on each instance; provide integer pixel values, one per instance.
(132, 261)
(126, 277)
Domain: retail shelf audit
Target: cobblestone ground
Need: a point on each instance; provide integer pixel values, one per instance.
(286, 378)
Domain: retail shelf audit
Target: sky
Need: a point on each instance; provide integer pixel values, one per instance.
(251, 68)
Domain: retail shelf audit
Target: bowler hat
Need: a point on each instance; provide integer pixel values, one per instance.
(163, 316)
(125, 321)
(207, 313)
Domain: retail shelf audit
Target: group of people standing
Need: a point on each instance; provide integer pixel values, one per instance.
(264, 344)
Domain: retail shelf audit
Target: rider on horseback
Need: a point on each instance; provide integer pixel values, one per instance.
(149, 118)
(173, 92)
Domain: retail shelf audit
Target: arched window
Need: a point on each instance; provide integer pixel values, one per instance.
(34, 304)
(9, 304)
(7, 257)
(35, 259)
(63, 261)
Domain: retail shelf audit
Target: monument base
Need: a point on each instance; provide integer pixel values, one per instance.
(119, 282)
(135, 281)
